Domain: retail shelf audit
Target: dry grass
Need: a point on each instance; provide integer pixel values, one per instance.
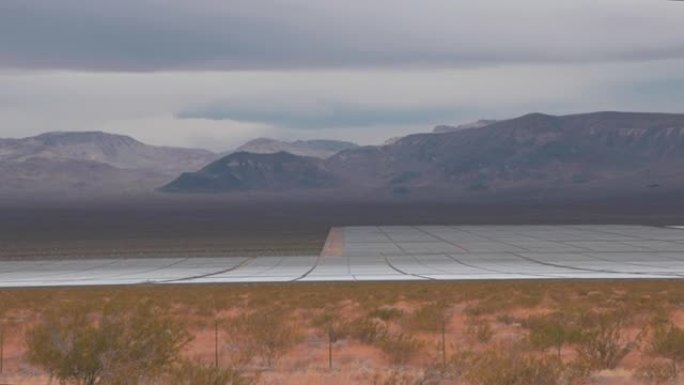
(279, 333)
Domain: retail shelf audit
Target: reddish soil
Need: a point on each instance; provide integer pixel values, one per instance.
(357, 362)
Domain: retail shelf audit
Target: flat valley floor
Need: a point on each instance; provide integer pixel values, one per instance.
(460, 282)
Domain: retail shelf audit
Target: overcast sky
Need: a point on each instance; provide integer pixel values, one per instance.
(214, 73)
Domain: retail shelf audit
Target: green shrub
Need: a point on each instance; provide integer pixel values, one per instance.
(366, 330)
(509, 367)
(551, 331)
(602, 342)
(395, 377)
(110, 347)
(668, 342)
(656, 373)
(386, 313)
(189, 373)
(430, 318)
(266, 334)
(399, 347)
(506, 319)
(480, 331)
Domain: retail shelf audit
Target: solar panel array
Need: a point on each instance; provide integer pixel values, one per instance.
(399, 253)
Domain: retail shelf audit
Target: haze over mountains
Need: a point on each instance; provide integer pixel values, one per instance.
(443, 128)
(531, 157)
(90, 163)
(115, 150)
(314, 148)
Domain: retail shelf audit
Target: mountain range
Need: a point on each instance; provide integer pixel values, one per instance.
(91, 163)
(115, 150)
(443, 128)
(312, 148)
(243, 171)
(533, 156)
(95, 163)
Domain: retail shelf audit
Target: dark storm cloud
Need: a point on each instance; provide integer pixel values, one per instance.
(322, 115)
(152, 35)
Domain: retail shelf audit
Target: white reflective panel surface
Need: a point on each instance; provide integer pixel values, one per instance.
(400, 253)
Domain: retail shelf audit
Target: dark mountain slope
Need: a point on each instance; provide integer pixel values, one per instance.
(441, 129)
(244, 171)
(527, 152)
(586, 155)
(313, 148)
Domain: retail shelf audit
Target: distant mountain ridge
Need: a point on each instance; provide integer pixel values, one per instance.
(532, 152)
(314, 148)
(533, 156)
(90, 163)
(38, 177)
(115, 150)
(597, 153)
(441, 129)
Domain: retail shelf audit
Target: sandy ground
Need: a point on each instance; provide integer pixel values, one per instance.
(334, 243)
(504, 307)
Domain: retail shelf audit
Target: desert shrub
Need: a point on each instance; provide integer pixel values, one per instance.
(386, 313)
(551, 331)
(602, 342)
(190, 373)
(480, 331)
(656, 372)
(509, 367)
(366, 330)
(331, 325)
(668, 342)
(505, 299)
(488, 305)
(506, 319)
(457, 365)
(395, 377)
(399, 347)
(430, 317)
(112, 347)
(324, 319)
(266, 334)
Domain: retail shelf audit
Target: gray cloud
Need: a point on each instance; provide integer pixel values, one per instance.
(672, 89)
(329, 114)
(156, 35)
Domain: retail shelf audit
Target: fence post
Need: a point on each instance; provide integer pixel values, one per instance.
(444, 342)
(330, 338)
(216, 352)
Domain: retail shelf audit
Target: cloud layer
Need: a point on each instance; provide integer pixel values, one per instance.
(220, 110)
(214, 73)
(321, 115)
(157, 35)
